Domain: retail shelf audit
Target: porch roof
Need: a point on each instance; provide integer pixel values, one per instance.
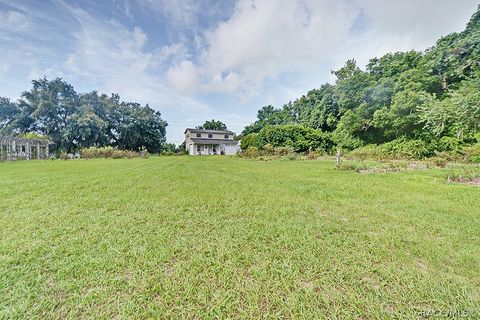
(213, 141)
(19, 140)
(192, 130)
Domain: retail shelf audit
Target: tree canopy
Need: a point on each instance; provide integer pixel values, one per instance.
(213, 125)
(73, 120)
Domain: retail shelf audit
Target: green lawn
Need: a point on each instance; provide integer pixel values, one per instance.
(219, 237)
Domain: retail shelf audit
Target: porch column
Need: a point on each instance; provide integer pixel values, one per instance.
(38, 151)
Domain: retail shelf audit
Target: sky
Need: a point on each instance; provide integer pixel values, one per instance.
(195, 60)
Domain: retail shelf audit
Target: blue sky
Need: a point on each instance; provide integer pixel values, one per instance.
(198, 60)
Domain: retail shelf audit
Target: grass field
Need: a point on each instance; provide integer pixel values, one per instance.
(219, 237)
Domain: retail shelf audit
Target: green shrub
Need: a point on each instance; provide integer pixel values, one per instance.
(439, 161)
(63, 156)
(450, 144)
(109, 152)
(297, 137)
(250, 140)
(314, 154)
(370, 151)
(268, 150)
(477, 137)
(345, 140)
(407, 149)
(93, 152)
(292, 156)
(397, 149)
(250, 152)
(471, 153)
(284, 151)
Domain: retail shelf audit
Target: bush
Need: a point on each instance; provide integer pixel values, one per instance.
(268, 150)
(250, 152)
(471, 153)
(284, 151)
(63, 156)
(250, 140)
(450, 144)
(345, 140)
(407, 149)
(396, 149)
(296, 137)
(370, 151)
(93, 152)
(314, 154)
(109, 152)
(292, 156)
(439, 162)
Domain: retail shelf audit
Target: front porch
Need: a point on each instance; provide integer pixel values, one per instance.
(207, 149)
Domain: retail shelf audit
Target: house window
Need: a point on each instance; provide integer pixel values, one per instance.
(210, 135)
(199, 135)
(198, 148)
(226, 136)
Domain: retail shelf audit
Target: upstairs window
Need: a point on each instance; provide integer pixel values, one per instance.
(210, 135)
(226, 136)
(199, 135)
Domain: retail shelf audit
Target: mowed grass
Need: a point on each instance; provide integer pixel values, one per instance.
(219, 237)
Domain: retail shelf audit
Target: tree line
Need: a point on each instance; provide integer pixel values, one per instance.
(431, 96)
(53, 109)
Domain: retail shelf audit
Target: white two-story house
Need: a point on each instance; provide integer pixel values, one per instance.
(210, 142)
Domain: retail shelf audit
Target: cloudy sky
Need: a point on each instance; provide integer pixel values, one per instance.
(195, 60)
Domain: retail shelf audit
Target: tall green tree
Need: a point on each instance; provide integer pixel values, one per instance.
(213, 125)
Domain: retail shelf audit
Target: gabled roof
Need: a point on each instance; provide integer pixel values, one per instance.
(21, 140)
(208, 131)
(213, 141)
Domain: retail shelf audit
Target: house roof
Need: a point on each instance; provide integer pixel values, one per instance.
(208, 131)
(213, 141)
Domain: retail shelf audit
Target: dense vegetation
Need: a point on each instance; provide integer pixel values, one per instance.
(262, 240)
(298, 138)
(213, 125)
(52, 108)
(429, 99)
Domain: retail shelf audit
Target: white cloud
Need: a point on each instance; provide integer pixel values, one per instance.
(419, 21)
(264, 39)
(403, 25)
(184, 76)
(14, 21)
